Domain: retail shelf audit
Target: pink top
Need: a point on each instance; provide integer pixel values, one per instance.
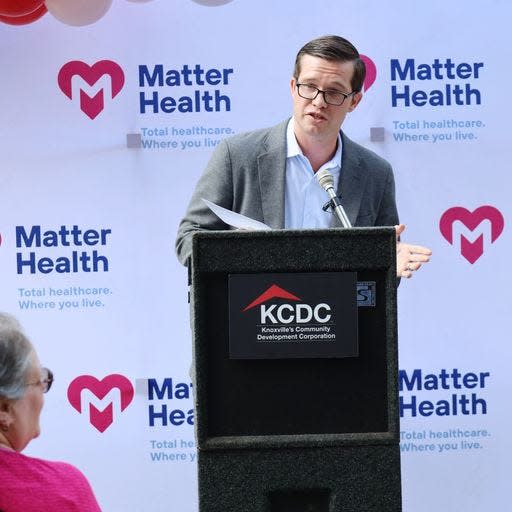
(28, 484)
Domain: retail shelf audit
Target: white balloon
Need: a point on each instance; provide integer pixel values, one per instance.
(139, 1)
(212, 3)
(78, 12)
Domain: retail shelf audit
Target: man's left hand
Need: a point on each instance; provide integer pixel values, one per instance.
(409, 258)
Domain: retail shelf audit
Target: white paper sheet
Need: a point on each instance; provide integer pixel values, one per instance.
(235, 219)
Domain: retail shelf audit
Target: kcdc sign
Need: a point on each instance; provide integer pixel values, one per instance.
(292, 315)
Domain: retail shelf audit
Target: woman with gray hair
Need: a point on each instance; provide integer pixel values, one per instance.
(29, 484)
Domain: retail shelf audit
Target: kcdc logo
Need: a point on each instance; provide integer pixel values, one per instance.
(308, 314)
(472, 228)
(287, 313)
(91, 85)
(97, 399)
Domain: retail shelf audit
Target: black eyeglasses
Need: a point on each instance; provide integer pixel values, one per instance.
(45, 381)
(310, 92)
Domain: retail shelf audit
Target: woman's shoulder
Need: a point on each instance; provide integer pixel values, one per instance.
(16, 459)
(54, 478)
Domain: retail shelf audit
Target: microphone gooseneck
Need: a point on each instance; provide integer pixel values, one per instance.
(326, 181)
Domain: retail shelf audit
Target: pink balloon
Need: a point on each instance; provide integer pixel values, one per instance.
(26, 18)
(19, 7)
(78, 12)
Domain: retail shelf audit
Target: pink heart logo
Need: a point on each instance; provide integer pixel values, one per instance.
(91, 106)
(100, 419)
(471, 250)
(371, 71)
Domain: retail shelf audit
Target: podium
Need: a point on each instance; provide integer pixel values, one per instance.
(296, 370)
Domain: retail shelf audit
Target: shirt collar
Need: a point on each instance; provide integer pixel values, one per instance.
(293, 148)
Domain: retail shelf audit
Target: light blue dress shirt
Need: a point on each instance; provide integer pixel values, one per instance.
(303, 195)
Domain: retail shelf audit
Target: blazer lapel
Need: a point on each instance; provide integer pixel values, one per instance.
(352, 181)
(272, 171)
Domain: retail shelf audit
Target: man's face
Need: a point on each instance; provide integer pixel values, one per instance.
(316, 120)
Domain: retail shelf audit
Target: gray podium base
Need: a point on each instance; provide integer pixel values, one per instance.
(334, 479)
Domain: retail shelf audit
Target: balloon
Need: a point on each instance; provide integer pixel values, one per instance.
(19, 7)
(212, 3)
(78, 12)
(25, 19)
(139, 1)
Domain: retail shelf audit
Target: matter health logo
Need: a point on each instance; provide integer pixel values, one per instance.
(97, 399)
(371, 71)
(473, 229)
(91, 84)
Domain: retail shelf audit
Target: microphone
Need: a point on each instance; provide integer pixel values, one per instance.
(326, 180)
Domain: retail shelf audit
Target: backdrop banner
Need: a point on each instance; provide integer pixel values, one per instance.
(110, 113)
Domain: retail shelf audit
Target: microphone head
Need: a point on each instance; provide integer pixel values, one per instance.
(325, 178)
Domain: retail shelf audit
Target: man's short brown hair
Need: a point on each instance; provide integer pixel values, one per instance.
(334, 48)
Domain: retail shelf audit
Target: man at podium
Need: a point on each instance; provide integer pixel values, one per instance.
(270, 175)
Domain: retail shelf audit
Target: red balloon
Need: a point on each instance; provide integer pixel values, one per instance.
(26, 18)
(19, 7)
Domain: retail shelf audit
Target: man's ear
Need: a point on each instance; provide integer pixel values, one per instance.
(354, 100)
(293, 83)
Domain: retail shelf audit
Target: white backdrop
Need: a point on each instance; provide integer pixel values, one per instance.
(121, 315)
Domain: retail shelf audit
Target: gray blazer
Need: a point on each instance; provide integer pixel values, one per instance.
(246, 174)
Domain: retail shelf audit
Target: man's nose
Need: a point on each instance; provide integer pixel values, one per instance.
(319, 101)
